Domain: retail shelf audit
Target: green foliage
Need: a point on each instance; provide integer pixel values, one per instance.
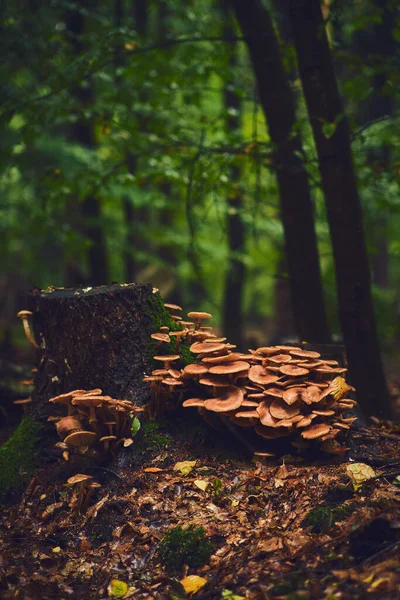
(151, 436)
(184, 546)
(160, 149)
(322, 518)
(17, 456)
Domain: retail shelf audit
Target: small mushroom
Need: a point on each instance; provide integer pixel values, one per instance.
(199, 317)
(24, 402)
(24, 316)
(68, 425)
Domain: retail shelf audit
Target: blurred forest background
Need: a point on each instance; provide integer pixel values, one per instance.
(148, 141)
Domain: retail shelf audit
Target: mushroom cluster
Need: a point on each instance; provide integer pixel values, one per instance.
(83, 489)
(278, 391)
(93, 418)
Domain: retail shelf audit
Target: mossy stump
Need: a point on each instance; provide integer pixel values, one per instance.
(94, 337)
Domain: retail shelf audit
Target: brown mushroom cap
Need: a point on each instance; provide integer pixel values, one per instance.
(215, 381)
(68, 424)
(199, 316)
(172, 306)
(281, 410)
(280, 358)
(195, 369)
(312, 394)
(258, 374)
(79, 478)
(229, 368)
(267, 350)
(293, 394)
(81, 438)
(233, 356)
(265, 414)
(293, 370)
(316, 431)
(23, 314)
(171, 381)
(174, 373)
(304, 353)
(248, 414)
(229, 399)
(206, 348)
(161, 337)
(193, 402)
(273, 392)
(108, 438)
(167, 357)
(89, 401)
(23, 401)
(291, 421)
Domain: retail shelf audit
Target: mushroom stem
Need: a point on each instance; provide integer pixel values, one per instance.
(24, 316)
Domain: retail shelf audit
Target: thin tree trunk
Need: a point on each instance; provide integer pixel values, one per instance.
(232, 317)
(295, 198)
(377, 43)
(82, 132)
(343, 205)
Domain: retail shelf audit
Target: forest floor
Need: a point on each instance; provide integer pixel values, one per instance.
(283, 528)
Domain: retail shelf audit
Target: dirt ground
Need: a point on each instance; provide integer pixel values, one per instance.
(283, 527)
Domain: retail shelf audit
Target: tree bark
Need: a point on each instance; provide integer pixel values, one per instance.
(343, 205)
(93, 338)
(232, 318)
(295, 198)
(83, 133)
(377, 45)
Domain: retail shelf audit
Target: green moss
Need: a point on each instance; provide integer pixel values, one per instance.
(162, 318)
(323, 518)
(151, 436)
(187, 546)
(17, 456)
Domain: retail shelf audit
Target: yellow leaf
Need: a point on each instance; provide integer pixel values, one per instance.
(185, 466)
(193, 583)
(117, 588)
(202, 484)
(358, 473)
(234, 502)
(128, 442)
(42, 497)
(57, 549)
(130, 46)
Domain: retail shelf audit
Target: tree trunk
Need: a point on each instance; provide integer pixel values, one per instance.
(232, 318)
(332, 139)
(376, 44)
(93, 338)
(281, 329)
(82, 132)
(295, 198)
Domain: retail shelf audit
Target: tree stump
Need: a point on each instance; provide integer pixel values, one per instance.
(94, 338)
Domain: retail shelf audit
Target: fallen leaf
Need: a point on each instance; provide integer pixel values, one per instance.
(128, 442)
(282, 472)
(56, 550)
(185, 466)
(358, 473)
(202, 484)
(193, 583)
(152, 470)
(117, 588)
(231, 595)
